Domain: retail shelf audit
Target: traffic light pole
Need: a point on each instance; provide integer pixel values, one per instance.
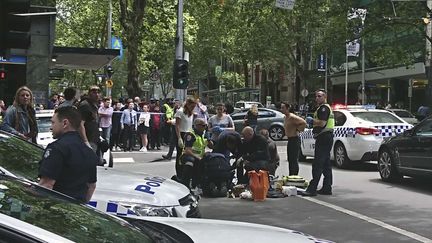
(179, 93)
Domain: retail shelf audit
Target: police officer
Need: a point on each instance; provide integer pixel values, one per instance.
(254, 153)
(68, 165)
(323, 124)
(194, 150)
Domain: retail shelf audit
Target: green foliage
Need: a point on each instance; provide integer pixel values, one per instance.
(240, 32)
(233, 80)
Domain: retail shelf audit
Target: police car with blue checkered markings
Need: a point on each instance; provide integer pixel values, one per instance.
(142, 194)
(358, 133)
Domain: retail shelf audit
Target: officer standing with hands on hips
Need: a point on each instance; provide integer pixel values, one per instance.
(68, 164)
(323, 124)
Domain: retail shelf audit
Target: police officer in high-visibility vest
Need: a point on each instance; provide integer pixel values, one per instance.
(194, 150)
(169, 114)
(323, 124)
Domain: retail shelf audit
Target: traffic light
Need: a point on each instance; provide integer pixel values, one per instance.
(181, 74)
(14, 29)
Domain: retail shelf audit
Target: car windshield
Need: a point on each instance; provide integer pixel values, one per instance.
(19, 157)
(403, 114)
(376, 117)
(53, 212)
(44, 124)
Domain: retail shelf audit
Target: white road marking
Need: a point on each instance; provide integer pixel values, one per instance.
(124, 160)
(371, 220)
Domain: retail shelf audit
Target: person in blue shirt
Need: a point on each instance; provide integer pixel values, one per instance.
(129, 124)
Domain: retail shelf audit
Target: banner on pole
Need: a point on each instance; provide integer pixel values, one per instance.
(322, 63)
(353, 48)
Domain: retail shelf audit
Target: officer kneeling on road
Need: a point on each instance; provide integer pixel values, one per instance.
(68, 164)
(194, 150)
(255, 155)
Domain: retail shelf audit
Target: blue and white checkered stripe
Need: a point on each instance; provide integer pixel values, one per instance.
(337, 132)
(112, 208)
(307, 134)
(343, 132)
(392, 130)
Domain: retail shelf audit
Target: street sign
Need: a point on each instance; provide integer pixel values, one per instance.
(218, 71)
(304, 93)
(321, 63)
(154, 76)
(285, 4)
(109, 83)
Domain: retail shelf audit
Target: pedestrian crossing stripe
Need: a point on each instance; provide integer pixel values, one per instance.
(110, 207)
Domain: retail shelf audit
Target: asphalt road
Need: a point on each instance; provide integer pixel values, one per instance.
(362, 208)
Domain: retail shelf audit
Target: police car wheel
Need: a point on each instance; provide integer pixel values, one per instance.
(340, 156)
(276, 133)
(387, 167)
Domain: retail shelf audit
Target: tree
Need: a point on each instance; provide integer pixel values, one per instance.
(132, 18)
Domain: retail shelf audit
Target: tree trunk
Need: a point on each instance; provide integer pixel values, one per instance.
(131, 19)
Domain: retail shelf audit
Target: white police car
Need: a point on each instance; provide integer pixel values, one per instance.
(142, 194)
(43, 119)
(358, 133)
(31, 213)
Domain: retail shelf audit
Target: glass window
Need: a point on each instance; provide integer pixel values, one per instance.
(239, 105)
(20, 157)
(403, 114)
(238, 115)
(425, 128)
(376, 117)
(44, 124)
(265, 114)
(55, 213)
(340, 118)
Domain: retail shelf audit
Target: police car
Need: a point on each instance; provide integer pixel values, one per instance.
(358, 133)
(43, 119)
(142, 194)
(31, 213)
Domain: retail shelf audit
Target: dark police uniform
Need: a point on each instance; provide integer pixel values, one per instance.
(255, 151)
(221, 143)
(323, 144)
(71, 163)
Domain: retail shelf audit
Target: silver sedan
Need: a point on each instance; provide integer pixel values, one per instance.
(269, 119)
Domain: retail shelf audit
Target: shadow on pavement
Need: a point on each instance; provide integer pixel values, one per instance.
(420, 185)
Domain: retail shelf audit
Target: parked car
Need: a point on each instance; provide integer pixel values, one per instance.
(247, 104)
(31, 213)
(269, 119)
(405, 115)
(144, 194)
(358, 133)
(408, 154)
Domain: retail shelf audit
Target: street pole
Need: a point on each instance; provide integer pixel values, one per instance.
(363, 71)
(346, 78)
(326, 76)
(179, 45)
(363, 16)
(428, 60)
(109, 37)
